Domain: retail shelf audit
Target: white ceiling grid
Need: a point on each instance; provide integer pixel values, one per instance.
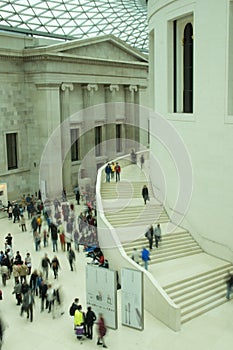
(78, 19)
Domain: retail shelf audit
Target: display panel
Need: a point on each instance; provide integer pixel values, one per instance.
(132, 314)
(101, 293)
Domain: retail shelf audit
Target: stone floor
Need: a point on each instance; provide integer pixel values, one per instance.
(212, 331)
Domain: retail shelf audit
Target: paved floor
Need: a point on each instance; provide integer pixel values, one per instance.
(213, 331)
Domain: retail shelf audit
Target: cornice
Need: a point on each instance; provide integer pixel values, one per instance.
(70, 59)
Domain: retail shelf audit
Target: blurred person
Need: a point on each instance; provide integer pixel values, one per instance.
(101, 329)
(55, 265)
(135, 256)
(71, 258)
(157, 233)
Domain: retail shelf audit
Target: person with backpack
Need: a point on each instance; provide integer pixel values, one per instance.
(74, 307)
(149, 235)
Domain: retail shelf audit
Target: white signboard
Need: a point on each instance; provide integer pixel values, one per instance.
(132, 314)
(101, 293)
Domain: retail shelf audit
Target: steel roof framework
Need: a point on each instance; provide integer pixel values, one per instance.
(78, 19)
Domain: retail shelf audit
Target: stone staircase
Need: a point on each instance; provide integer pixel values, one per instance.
(124, 208)
(124, 189)
(137, 215)
(173, 246)
(200, 293)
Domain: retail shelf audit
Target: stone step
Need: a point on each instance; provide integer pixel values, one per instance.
(117, 222)
(198, 285)
(124, 189)
(199, 277)
(162, 246)
(166, 238)
(204, 309)
(176, 256)
(202, 303)
(203, 294)
(174, 249)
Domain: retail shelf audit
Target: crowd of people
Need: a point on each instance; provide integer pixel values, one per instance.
(153, 234)
(84, 322)
(47, 223)
(113, 170)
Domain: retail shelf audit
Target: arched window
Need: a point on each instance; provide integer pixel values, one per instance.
(188, 69)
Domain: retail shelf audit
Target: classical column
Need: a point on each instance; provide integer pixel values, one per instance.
(66, 88)
(88, 142)
(50, 173)
(111, 112)
(132, 116)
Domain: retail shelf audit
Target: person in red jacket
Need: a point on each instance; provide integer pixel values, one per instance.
(118, 171)
(102, 329)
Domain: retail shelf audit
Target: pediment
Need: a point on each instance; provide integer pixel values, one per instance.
(105, 48)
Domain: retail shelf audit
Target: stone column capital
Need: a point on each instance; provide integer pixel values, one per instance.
(90, 87)
(133, 88)
(113, 87)
(67, 86)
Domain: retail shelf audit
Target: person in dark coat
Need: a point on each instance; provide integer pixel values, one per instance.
(16, 213)
(89, 320)
(9, 239)
(108, 172)
(55, 266)
(43, 294)
(71, 258)
(145, 193)
(150, 235)
(77, 194)
(27, 304)
(54, 236)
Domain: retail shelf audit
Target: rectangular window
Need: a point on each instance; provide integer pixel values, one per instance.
(118, 137)
(74, 138)
(183, 65)
(11, 148)
(98, 140)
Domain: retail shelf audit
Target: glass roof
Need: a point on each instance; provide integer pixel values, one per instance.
(78, 19)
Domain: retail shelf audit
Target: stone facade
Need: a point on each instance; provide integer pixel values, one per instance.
(49, 92)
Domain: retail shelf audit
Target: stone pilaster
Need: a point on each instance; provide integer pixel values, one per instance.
(132, 116)
(66, 88)
(50, 173)
(111, 112)
(88, 142)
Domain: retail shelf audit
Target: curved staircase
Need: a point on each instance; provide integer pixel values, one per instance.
(194, 280)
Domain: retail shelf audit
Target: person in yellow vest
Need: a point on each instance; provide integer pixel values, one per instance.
(39, 222)
(79, 322)
(112, 165)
